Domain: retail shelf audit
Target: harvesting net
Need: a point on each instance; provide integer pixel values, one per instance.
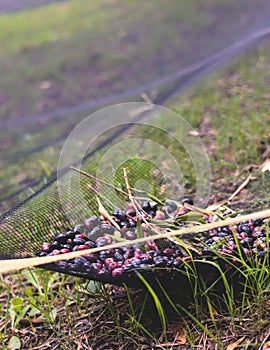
(64, 215)
(126, 198)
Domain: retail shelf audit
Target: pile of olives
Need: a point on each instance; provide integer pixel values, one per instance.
(169, 254)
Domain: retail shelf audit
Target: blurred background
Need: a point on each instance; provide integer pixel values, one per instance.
(62, 60)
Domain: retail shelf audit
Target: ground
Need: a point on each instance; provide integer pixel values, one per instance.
(229, 112)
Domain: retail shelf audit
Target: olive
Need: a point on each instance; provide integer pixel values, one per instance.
(123, 224)
(244, 227)
(79, 229)
(64, 250)
(71, 234)
(171, 206)
(146, 206)
(117, 272)
(90, 244)
(62, 265)
(42, 254)
(118, 256)
(131, 212)
(159, 261)
(46, 247)
(119, 214)
(82, 247)
(101, 242)
(62, 237)
(130, 235)
(78, 241)
(94, 233)
(187, 200)
(257, 222)
(55, 245)
(92, 222)
(106, 228)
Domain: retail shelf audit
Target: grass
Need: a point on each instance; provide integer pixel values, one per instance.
(57, 49)
(48, 310)
(100, 317)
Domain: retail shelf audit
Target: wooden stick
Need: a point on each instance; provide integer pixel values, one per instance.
(137, 208)
(18, 264)
(129, 191)
(98, 180)
(239, 189)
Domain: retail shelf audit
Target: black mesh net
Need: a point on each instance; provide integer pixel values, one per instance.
(48, 224)
(187, 40)
(62, 217)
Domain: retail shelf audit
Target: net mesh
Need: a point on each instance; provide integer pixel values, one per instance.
(196, 38)
(24, 228)
(41, 217)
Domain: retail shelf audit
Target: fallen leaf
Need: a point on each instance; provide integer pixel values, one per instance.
(181, 339)
(216, 205)
(104, 212)
(265, 166)
(266, 346)
(177, 329)
(193, 133)
(235, 344)
(45, 85)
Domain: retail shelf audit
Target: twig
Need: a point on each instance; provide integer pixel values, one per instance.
(98, 180)
(130, 196)
(239, 189)
(232, 196)
(137, 207)
(147, 98)
(196, 209)
(92, 188)
(264, 340)
(138, 111)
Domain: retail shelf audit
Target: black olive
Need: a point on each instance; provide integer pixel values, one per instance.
(79, 229)
(78, 241)
(257, 222)
(171, 206)
(55, 245)
(101, 242)
(159, 261)
(94, 234)
(123, 223)
(67, 246)
(92, 222)
(146, 206)
(71, 234)
(130, 235)
(244, 227)
(61, 238)
(118, 257)
(106, 228)
(119, 214)
(187, 200)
